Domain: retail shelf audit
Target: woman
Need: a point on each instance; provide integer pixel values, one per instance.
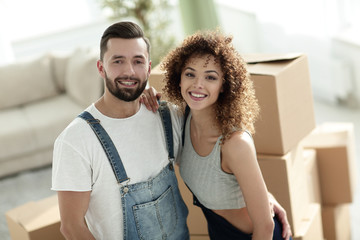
(218, 162)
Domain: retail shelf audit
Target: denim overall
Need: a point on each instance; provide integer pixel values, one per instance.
(153, 209)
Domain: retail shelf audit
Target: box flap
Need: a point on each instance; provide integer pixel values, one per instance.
(270, 64)
(15, 214)
(261, 58)
(39, 214)
(330, 135)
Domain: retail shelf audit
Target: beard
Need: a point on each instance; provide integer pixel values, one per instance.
(127, 95)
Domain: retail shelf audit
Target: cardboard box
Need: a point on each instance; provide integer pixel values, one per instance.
(156, 79)
(285, 179)
(196, 220)
(311, 225)
(35, 220)
(313, 180)
(335, 149)
(336, 222)
(283, 89)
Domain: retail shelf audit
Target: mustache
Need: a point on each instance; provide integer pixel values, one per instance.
(127, 78)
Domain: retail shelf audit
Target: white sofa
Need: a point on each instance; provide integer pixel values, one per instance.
(38, 99)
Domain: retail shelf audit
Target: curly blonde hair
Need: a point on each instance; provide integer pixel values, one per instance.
(237, 107)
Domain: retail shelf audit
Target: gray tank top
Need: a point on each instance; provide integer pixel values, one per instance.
(214, 188)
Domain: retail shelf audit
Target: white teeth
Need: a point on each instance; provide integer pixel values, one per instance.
(197, 95)
(128, 83)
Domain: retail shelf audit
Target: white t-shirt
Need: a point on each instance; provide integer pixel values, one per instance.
(80, 163)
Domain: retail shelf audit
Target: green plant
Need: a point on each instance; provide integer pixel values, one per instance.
(152, 16)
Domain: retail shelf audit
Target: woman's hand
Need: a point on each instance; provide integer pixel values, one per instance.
(150, 98)
(280, 212)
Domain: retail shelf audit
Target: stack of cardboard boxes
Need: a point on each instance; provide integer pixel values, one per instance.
(334, 145)
(283, 89)
(309, 169)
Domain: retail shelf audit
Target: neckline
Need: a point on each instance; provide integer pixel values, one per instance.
(141, 109)
(188, 138)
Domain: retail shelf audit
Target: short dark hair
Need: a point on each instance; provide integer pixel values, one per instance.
(126, 30)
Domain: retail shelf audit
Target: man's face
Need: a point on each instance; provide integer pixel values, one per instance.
(125, 68)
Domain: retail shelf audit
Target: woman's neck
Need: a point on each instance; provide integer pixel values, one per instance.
(203, 123)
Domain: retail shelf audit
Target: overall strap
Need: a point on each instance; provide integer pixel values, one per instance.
(166, 120)
(108, 146)
(187, 111)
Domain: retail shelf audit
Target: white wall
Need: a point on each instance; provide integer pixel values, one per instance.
(63, 41)
(306, 26)
(312, 27)
(67, 38)
(5, 44)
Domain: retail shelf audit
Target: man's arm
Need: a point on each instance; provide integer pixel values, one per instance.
(280, 212)
(73, 207)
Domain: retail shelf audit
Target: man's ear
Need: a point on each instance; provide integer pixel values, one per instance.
(149, 70)
(100, 68)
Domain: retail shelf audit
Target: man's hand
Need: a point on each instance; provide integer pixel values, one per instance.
(149, 98)
(280, 212)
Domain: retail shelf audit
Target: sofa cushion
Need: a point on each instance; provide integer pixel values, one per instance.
(49, 117)
(16, 134)
(82, 81)
(32, 160)
(33, 128)
(59, 64)
(24, 82)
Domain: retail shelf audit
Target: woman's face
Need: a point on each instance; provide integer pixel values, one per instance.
(201, 82)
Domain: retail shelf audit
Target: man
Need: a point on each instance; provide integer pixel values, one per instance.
(128, 189)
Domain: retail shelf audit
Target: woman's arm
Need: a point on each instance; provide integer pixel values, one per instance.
(73, 207)
(239, 158)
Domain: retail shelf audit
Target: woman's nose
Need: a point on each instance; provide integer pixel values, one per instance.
(198, 82)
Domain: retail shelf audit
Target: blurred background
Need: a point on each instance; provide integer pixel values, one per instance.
(327, 31)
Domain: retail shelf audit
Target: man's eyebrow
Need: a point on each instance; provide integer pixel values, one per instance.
(122, 57)
(117, 57)
(139, 56)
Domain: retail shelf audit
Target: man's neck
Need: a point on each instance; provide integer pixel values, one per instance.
(113, 107)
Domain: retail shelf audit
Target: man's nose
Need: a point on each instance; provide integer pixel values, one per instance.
(129, 69)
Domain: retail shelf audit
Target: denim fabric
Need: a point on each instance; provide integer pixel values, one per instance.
(153, 209)
(220, 229)
(108, 146)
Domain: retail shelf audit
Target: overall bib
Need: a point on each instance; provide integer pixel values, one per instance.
(153, 209)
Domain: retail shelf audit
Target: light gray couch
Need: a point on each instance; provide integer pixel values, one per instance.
(38, 99)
